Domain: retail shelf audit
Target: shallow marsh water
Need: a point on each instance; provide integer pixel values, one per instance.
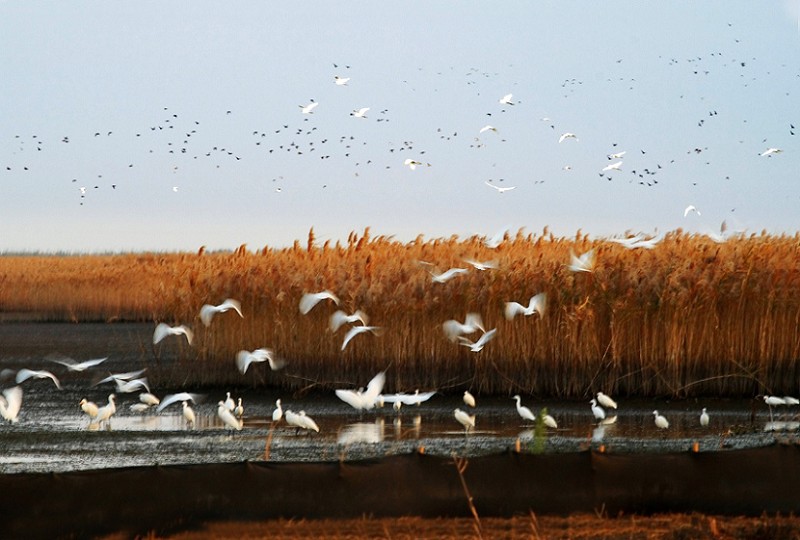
(53, 435)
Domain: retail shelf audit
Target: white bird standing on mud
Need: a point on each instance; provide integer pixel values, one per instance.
(466, 420)
(661, 422)
(188, 414)
(704, 419)
(163, 330)
(301, 421)
(597, 411)
(536, 304)
(239, 410)
(469, 399)
(11, 403)
(523, 411)
(226, 415)
(208, 311)
(309, 300)
(606, 401)
(277, 414)
(89, 408)
(105, 412)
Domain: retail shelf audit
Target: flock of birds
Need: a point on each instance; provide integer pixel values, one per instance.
(230, 412)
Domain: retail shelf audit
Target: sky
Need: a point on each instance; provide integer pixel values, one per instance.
(166, 126)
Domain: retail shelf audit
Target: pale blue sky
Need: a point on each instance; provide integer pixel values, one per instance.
(621, 75)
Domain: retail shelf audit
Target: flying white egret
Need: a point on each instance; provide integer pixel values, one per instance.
(245, 358)
(704, 419)
(360, 113)
(11, 403)
(478, 265)
(447, 275)
(188, 414)
(301, 421)
(523, 411)
(649, 243)
(356, 330)
(413, 163)
(367, 399)
(277, 414)
(628, 242)
(769, 152)
(498, 188)
(506, 99)
(466, 420)
(126, 387)
(584, 263)
(72, 365)
(341, 81)
(163, 330)
(89, 408)
(208, 311)
(469, 399)
(536, 304)
(24, 374)
(565, 136)
(114, 377)
(486, 128)
(497, 239)
(691, 208)
(339, 317)
(478, 346)
(225, 414)
(606, 401)
(597, 411)
(105, 412)
(169, 399)
(309, 109)
(661, 422)
(309, 300)
(617, 165)
(472, 323)
(616, 155)
(238, 411)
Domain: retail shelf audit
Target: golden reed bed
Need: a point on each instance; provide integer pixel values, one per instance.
(689, 317)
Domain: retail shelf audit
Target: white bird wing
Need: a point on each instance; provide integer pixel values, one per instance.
(24, 374)
(449, 274)
(162, 330)
(485, 338)
(121, 376)
(243, 360)
(180, 396)
(350, 397)
(309, 300)
(354, 331)
(230, 303)
(538, 303)
(513, 309)
(375, 387)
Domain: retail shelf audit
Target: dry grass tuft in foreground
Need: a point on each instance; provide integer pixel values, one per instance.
(575, 527)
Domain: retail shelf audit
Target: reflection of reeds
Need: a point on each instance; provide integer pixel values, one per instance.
(686, 318)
